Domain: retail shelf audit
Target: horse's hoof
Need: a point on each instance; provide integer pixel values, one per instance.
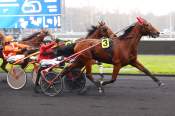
(99, 86)
(160, 84)
(100, 90)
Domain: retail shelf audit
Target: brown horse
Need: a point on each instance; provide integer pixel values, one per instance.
(123, 51)
(96, 32)
(33, 41)
(99, 31)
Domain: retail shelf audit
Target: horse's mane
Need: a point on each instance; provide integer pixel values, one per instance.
(126, 31)
(92, 30)
(30, 36)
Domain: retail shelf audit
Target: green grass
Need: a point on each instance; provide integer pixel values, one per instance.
(157, 64)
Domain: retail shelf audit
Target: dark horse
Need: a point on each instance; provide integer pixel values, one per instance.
(123, 52)
(33, 41)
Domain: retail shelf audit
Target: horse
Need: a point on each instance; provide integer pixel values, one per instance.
(123, 52)
(34, 40)
(99, 31)
(95, 32)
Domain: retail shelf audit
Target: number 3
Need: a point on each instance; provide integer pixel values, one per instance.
(105, 43)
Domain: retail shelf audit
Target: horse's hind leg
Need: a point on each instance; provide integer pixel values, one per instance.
(116, 70)
(88, 67)
(25, 63)
(69, 67)
(139, 66)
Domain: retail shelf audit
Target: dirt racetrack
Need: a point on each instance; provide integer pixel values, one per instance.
(128, 96)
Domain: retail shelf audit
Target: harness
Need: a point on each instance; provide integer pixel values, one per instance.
(110, 48)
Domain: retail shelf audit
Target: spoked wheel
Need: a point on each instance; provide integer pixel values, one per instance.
(35, 69)
(34, 74)
(75, 81)
(16, 78)
(51, 84)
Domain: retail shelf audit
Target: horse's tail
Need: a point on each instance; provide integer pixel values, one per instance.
(65, 51)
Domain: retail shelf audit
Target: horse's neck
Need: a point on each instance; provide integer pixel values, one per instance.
(133, 39)
(95, 35)
(80, 39)
(34, 42)
(92, 36)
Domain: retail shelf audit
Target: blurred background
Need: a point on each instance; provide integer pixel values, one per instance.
(78, 15)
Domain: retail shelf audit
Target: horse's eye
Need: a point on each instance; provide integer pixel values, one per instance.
(146, 25)
(104, 29)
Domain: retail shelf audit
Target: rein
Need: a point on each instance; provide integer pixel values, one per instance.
(70, 57)
(33, 54)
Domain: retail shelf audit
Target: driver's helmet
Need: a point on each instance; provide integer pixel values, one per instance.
(47, 39)
(8, 39)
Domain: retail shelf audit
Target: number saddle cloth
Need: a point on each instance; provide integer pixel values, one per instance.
(107, 45)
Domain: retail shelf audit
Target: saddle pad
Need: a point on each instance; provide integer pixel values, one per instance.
(45, 63)
(13, 59)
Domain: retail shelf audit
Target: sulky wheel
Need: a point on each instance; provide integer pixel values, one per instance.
(16, 78)
(75, 81)
(34, 75)
(51, 84)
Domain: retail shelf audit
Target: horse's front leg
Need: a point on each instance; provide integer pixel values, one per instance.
(25, 63)
(139, 66)
(68, 68)
(88, 67)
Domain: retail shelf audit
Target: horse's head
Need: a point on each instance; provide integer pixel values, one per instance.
(43, 33)
(36, 38)
(99, 31)
(105, 31)
(146, 28)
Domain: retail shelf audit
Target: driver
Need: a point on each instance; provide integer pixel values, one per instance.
(46, 58)
(12, 50)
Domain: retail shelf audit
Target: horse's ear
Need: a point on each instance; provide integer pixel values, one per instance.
(140, 20)
(45, 31)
